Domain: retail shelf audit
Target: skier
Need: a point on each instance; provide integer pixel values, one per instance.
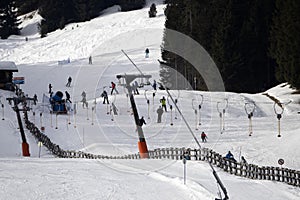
(163, 103)
(113, 88)
(243, 161)
(50, 88)
(90, 60)
(105, 97)
(142, 121)
(69, 82)
(35, 100)
(203, 137)
(159, 111)
(154, 85)
(147, 53)
(114, 109)
(68, 97)
(187, 154)
(134, 87)
(229, 156)
(84, 102)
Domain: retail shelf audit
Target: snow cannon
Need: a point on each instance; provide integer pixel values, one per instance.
(58, 103)
(58, 96)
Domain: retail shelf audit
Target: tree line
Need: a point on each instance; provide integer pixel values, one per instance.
(56, 13)
(254, 43)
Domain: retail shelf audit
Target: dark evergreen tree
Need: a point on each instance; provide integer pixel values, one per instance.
(127, 5)
(26, 6)
(285, 41)
(152, 12)
(235, 33)
(52, 12)
(8, 19)
(43, 28)
(171, 60)
(193, 17)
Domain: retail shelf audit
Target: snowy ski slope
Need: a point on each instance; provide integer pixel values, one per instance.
(103, 38)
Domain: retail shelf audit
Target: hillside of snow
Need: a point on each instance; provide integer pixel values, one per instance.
(93, 130)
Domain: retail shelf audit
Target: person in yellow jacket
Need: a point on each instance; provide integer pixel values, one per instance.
(163, 103)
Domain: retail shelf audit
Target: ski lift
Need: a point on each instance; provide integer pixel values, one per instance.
(197, 118)
(278, 113)
(222, 114)
(121, 81)
(249, 108)
(144, 81)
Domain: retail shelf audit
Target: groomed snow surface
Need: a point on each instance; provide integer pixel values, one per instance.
(103, 38)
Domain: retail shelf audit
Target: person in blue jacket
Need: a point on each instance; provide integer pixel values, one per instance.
(230, 156)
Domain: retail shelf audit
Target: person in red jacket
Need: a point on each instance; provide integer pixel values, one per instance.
(203, 137)
(113, 88)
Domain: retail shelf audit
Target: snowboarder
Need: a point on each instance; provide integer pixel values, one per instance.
(163, 103)
(114, 109)
(90, 60)
(69, 82)
(68, 97)
(147, 53)
(84, 102)
(159, 111)
(154, 85)
(105, 97)
(113, 88)
(142, 121)
(229, 156)
(50, 88)
(203, 137)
